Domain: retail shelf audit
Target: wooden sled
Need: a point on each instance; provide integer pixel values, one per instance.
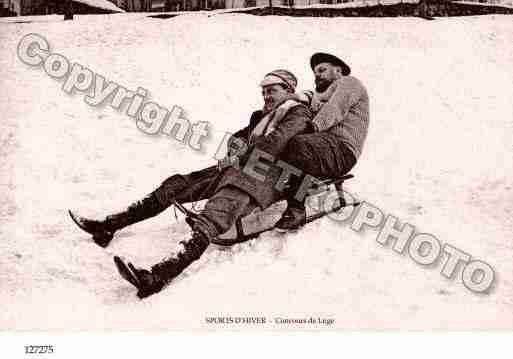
(258, 222)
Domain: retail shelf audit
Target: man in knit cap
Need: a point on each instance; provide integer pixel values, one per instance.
(233, 188)
(340, 105)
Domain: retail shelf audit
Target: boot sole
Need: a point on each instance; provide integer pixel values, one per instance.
(77, 222)
(126, 272)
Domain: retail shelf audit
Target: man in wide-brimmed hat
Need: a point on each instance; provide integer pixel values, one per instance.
(340, 105)
(231, 191)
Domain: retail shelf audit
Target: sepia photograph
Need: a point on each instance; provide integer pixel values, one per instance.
(255, 166)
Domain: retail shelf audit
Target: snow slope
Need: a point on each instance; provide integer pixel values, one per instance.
(438, 156)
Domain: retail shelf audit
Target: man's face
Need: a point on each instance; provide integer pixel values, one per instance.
(325, 73)
(273, 95)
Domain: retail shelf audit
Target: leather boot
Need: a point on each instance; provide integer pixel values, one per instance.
(149, 282)
(103, 230)
(153, 204)
(294, 216)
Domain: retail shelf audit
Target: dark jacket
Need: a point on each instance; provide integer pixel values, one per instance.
(296, 121)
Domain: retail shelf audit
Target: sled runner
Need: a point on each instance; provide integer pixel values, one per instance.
(258, 222)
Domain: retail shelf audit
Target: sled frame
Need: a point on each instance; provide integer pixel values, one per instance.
(242, 237)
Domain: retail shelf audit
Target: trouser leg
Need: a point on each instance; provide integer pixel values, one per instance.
(322, 155)
(226, 206)
(192, 187)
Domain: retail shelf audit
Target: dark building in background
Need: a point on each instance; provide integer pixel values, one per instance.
(7, 8)
(46, 7)
(134, 5)
(180, 5)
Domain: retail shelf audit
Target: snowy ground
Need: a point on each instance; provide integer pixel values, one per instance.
(438, 156)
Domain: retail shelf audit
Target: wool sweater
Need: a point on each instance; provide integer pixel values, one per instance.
(343, 109)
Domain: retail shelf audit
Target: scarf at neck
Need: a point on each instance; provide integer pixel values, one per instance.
(272, 119)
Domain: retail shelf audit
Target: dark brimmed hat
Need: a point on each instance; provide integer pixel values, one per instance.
(321, 57)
